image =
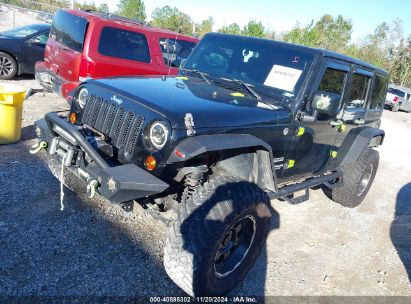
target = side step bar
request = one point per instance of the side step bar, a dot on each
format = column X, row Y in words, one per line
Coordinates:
column 305, row 185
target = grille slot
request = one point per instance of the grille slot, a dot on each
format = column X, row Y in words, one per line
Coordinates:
column 121, row 126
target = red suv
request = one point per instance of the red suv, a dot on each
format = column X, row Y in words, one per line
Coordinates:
column 85, row 45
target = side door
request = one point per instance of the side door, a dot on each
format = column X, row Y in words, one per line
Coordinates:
column 355, row 104
column 34, row 50
column 316, row 133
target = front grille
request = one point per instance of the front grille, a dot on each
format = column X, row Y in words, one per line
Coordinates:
column 121, row 126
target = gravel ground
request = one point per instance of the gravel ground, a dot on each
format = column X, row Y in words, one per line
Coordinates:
column 95, row 248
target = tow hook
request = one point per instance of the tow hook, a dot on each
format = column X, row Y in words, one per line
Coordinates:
column 38, row 146
column 91, row 188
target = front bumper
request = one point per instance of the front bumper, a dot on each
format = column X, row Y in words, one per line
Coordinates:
column 118, row 184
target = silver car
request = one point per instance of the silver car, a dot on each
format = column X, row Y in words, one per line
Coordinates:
column 398, row 98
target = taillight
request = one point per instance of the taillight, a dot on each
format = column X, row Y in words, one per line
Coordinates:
column 395, row 99
column 86, row 69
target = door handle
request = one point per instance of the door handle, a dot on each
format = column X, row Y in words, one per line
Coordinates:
column 359, row 121
column 336, row 123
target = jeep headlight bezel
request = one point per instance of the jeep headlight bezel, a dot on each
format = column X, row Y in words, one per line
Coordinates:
column 82, row 97
column 158, row 134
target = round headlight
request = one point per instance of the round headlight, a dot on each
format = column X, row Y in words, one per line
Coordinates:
column 158, row 135
column 82, row 97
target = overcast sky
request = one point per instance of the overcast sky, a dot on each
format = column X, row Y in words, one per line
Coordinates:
column 282, row 15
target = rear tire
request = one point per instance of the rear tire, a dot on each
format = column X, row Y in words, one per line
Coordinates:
column 217, row 236
column 357, row 179
column 8, row 66
column 69, row 179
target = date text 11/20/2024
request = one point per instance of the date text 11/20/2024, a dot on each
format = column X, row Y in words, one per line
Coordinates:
column 236, row 299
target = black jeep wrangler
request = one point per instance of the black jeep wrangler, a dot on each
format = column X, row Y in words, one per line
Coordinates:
column 246, row 120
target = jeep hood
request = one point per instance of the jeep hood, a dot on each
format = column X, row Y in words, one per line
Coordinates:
column 211, row 106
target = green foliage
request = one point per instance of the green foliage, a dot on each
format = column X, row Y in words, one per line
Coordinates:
column 386, row 47
column 204, row 27
column 171, row 18
column 134, row 9
column 233, row 29
column 85, row 6
column 103, row 8
column 329, row 33
column 253, row 28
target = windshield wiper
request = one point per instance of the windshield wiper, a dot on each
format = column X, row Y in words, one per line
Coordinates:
column 203, row 75
column 249, row 87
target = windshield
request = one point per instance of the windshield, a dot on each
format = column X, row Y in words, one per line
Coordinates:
column 271, row 67
column 396, row 92
column 21, row 32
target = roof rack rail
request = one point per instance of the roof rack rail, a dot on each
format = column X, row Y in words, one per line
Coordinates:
column 117, row 17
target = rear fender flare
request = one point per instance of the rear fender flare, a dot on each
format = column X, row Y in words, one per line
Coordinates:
column 356, row 141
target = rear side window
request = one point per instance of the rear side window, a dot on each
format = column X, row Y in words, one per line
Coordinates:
column 69, row 30
column 358, row 91
column 378, row 92
column 175, row 51
column 396, row 92
column 124, row 44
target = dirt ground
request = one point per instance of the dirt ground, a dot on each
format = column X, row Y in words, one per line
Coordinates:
column 94, row 248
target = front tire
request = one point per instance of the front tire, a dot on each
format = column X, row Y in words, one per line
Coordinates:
column 8, row 66
column 357, row 179
column 217, row 237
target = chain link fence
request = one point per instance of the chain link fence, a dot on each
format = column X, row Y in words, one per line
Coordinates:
column 15, row 13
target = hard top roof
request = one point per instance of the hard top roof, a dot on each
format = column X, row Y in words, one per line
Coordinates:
column 91, row 15
column 314, row 51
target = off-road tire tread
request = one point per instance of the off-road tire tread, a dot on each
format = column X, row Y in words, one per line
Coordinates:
column 346, row 194
column 178, row 262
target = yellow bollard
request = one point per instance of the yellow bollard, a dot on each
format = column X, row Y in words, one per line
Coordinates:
column 11, row 111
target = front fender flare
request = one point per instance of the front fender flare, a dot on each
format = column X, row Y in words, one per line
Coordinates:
column 197, row 145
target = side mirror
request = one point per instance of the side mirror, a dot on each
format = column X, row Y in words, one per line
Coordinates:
column 326, row 103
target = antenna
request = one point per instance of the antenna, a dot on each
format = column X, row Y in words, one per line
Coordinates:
column 175, row 47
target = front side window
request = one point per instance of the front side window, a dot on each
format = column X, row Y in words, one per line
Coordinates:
column 378, row 92
column 358, row 91
column 273, row 69
column 333, row 81
column 119, row 43
column 175, row 51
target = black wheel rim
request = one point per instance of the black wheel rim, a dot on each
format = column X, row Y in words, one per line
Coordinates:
column 6, row 66
column 365, row 179
column 234, row 246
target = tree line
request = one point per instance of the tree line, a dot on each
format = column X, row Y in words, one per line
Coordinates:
column 387, row 47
